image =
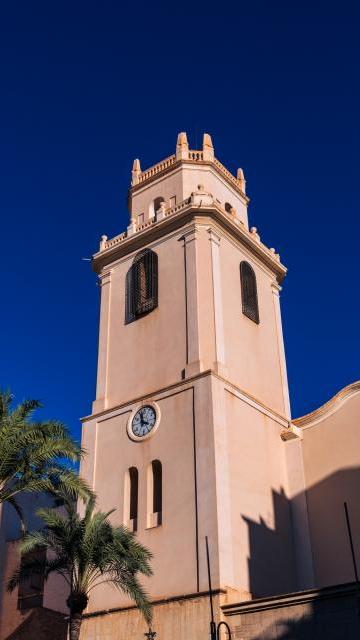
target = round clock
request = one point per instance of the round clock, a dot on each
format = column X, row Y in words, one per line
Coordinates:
column 143, row 422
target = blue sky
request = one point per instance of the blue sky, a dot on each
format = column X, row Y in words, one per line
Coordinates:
column 88, row 86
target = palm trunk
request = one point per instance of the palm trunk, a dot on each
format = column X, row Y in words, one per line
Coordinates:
column 75, row 626
column 77, row 603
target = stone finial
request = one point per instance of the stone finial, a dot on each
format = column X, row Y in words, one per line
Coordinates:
column 208, row 149
column 103, row 243
column 241, row 180
column 182, row 147
column 136, row 170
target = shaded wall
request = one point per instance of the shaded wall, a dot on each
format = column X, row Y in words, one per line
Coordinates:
column 331, row 459
column 326, row 614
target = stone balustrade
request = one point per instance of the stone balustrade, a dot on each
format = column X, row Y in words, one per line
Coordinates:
column 192, row 156
column 108, row 244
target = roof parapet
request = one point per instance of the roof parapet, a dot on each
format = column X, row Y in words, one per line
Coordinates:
column 184, row 154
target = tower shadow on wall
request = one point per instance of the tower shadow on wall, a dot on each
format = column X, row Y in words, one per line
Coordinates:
column 272, row 562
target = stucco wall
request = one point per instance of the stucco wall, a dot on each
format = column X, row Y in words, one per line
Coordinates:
column 331, row 455
column 150, row 353
column 253, row 353
column 183, row 442
column 262, row 557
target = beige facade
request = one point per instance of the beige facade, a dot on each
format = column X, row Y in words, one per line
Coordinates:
column 234, row 466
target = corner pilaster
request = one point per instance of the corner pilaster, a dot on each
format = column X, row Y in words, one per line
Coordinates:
column 280, row 338
column 194, row 362
column 104, row 331
column 219, row 364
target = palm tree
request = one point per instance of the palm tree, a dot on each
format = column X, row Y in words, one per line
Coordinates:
column 86, row 551
column 35, row 456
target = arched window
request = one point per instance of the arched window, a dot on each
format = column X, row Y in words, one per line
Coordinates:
column 134, row 484
column 155, row 206
column 131, row 498
column 154, row 494
column 228, row 207
column 249, row 296
column 157, row 486
column 141, row 285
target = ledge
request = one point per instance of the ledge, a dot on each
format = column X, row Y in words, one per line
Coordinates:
column 290, row 599
column 184, row 213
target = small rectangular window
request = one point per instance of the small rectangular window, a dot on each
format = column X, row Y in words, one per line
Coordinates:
column 172, row 202
column 141, row 218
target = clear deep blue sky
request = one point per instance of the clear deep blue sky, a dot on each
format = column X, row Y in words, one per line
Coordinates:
column 88, row 86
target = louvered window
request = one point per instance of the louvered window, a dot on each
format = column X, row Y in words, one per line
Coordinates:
column 250, row 307
column 142, row 285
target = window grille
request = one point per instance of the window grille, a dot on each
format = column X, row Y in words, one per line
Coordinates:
column 141, row 285
column 250, row 307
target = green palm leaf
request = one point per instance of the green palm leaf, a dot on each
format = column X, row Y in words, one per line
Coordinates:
column 87, row 551
column 36, row 456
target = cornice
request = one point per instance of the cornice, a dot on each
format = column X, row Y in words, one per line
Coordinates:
column 178, row 219
column 330, row 407
column 187, row 384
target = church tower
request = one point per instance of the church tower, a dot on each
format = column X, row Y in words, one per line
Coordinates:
column 186, row 433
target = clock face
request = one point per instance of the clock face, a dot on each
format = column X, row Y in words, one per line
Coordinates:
column 143, row 421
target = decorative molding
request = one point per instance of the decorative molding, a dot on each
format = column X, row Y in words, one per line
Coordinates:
column 220, row 362
column 112, row 412
column 177, row 217
column 330, row 407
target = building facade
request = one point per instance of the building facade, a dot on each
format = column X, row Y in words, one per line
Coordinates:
column 190, row 434
column 37, row 608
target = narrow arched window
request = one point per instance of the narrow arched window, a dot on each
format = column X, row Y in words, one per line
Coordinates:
column 157, row 486
column 249, row 296
column 141, row 285
column 154, row 494
column 134, row 484
column 154, row 207
column 131, row 498
column 228, row 207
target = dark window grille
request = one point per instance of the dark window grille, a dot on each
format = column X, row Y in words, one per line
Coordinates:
column 157, row 486
column 134, row 483
column 250, row 307
column 141, row 285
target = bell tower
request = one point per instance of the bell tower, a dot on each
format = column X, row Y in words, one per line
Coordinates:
column 192, row 395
